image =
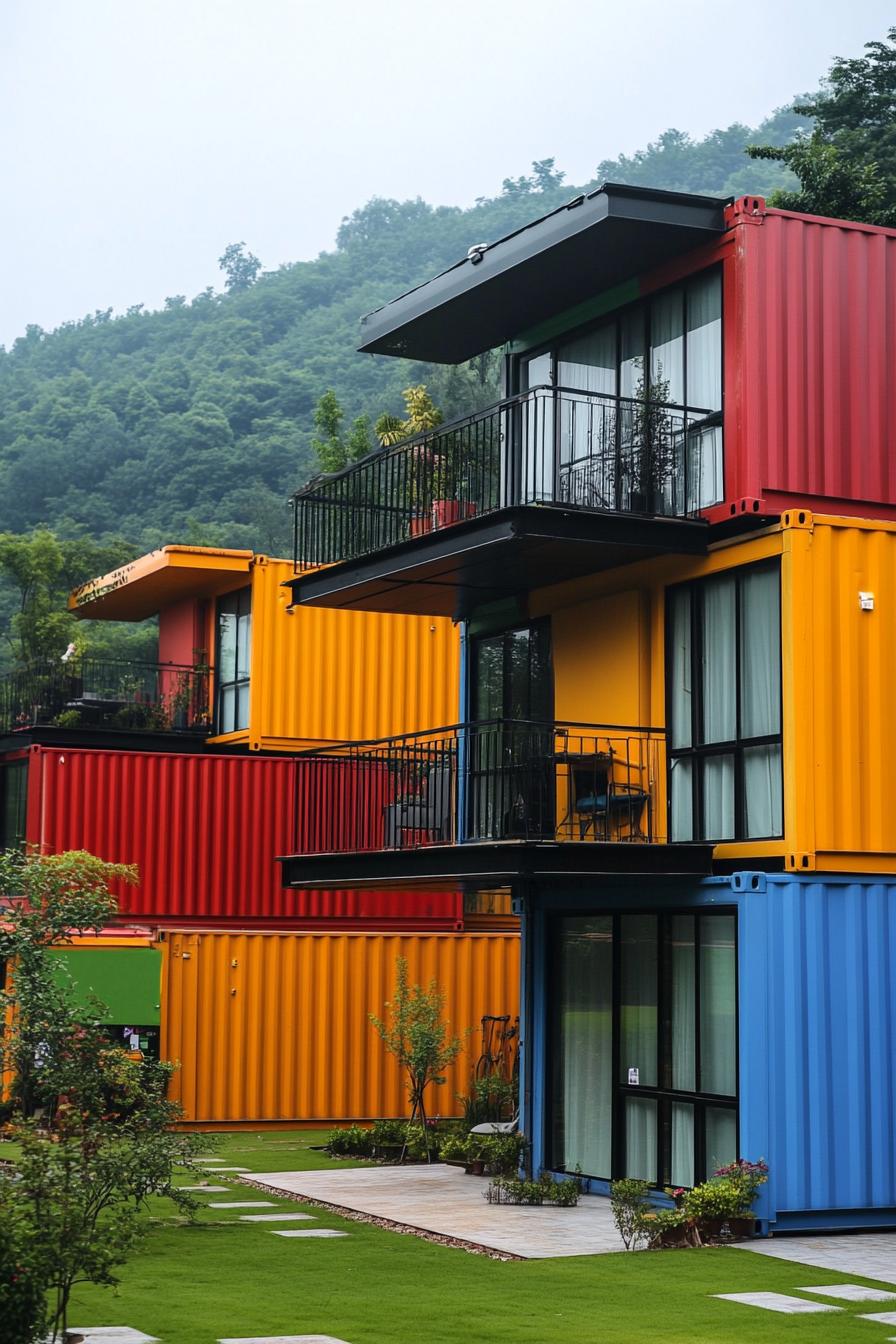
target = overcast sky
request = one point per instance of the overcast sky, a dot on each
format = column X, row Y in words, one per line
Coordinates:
column 140, row 137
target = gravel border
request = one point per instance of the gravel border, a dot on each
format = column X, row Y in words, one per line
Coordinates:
column 408, row 1229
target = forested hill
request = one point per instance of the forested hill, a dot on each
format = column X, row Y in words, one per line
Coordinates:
column 194, row 423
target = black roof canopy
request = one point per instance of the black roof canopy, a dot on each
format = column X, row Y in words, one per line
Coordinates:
column 589, row 245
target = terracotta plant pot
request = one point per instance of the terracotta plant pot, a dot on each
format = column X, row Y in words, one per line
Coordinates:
column 476, row 1167
column 448, row 511
column 420, row 524
column 741, row 1228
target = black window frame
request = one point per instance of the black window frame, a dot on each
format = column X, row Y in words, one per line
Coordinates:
column 618, row 316
column 20, row 769
column 735, row 747
column 239, row 604
column 664, row 1094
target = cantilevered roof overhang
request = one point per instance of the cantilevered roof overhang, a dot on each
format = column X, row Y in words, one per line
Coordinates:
column 494, row 864
column 453, row 571
column 152, row 582
column 593, row 243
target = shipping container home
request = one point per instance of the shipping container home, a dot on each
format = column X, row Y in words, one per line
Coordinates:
column 273, row 1028
column 739, row 700
column 204, row 832
column 241, row 668
column 671, row 362
column 675, row 1028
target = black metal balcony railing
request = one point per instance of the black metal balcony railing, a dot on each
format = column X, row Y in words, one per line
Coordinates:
column 86, row 692
column 497, row 780
column 551, row 445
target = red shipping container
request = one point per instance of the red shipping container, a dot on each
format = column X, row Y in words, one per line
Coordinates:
column 809, row 344
column 204, row 832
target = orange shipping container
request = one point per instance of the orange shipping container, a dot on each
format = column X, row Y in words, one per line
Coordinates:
column 274, row 1028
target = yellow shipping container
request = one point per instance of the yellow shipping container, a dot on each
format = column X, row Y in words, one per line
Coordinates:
column 314, row 675
column 838, row 654
column 273, row 1028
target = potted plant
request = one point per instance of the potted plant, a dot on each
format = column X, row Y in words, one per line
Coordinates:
column 722, row 1206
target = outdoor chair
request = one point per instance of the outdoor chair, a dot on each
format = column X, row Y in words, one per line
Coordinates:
column 428, row 811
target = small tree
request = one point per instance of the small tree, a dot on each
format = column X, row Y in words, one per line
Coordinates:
column 415, row 1032
column 240, row 268
column 74, row 1195
column 335, row 449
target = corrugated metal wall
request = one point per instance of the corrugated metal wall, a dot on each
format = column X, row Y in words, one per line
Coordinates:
column 818, row 1045
column 274, row 1027
column 816, row 344
column 331, row 675
column 840, row 727
column 204, row 832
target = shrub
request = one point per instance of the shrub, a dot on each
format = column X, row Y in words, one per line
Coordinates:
column 501, row 1153
column 489, row 1099
column 507, row 1190
column 629, row 1204
column 665, row 1227
column 454, row 1148
column 351, row 1142
column 22, row 1288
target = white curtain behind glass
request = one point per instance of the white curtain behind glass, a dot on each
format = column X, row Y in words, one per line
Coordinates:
column 537, row 465
column 667, row 348
column 761, row 699
column 684, row 1067
column 638, row 1044
column 586, row 1034
column 704, row 365
column 718, row 1008
column 719, row 654
column 587, row 426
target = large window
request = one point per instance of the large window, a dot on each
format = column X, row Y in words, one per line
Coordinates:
column 724, row 707
column 644, row 1065
column 234, row 648
column 665, row 352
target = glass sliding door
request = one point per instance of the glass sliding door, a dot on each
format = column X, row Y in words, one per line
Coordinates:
column 536, row 432
column 509, row 737
column 644, row 1037
column 232, row 661
column 583, row 1048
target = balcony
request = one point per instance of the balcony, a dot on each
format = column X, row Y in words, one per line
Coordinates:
column 124, row 697
column 551, row 484
column 489, row 801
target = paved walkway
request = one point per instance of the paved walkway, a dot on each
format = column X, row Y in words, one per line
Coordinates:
column 870, row 1255
column 444, row 1201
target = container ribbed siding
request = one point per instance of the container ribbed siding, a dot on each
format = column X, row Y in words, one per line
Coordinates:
column 272, row 1027
column 204, row 832
column 816, row 343
column 817, row 1043
column 809, row 340
column 325, row 675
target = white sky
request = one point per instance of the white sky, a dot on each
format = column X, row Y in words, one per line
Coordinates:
column 139, row 137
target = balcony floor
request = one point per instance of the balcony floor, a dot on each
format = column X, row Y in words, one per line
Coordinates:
column 451, row 571
column 496, row 863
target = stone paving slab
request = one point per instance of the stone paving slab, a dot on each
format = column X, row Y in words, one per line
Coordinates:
column 286, row 1339
column 885, row 1317
column 868, row 1255
column 112, row 1334
column 850, row 1292
column 216, row 1171
column 241, row 1204
column 442, row 1200
column 307, row 1232
column 276, row 1217
column 790, row 1306
column 209, row 1189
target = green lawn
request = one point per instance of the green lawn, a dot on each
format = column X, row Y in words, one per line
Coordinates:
column 220, row 1277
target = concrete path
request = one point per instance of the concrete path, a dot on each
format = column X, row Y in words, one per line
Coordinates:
column 444, row 1201
column 870, row 1255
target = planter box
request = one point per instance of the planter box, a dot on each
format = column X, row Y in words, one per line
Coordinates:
column 448, row 511
column 420, row 524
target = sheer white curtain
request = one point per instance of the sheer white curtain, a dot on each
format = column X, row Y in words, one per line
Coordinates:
column 704, row 390
column 719, row 704
column 684, row 1066
column 718, row 1007
column 640, row 1139
column 586, row 1043
column 667, row 348
column 681, row 771
column 588, row 424
column 682, row 1171
column 761, row 699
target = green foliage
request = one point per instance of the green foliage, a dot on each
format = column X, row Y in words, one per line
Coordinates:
column 501, row 1153
column 416, row 1035
column 846, row 167
column 352, row 1141
column 729, row 1194
column 75, row 1193
column 489, row 1099
column 240, row 268
column 23, row 1288
column 508, row 1190
column 629, row 1204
